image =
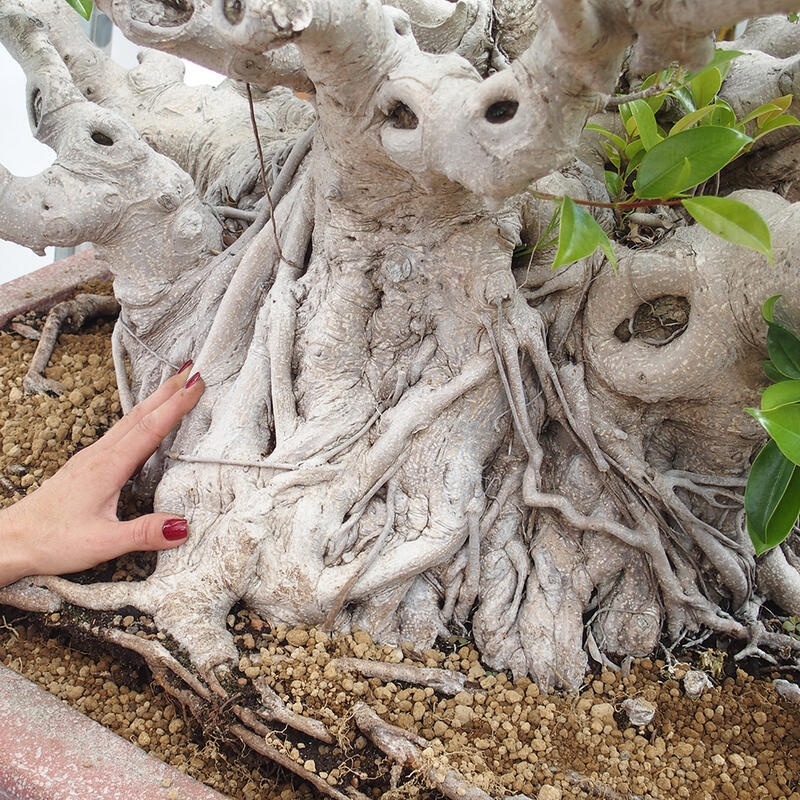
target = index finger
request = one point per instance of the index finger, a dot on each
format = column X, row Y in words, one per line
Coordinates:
column 144, row 436
column 143, row 408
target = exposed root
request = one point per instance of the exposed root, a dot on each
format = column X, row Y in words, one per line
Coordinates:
column 28, row 596
column 275, row 710
column 440, row 680
column 594, row 789
column 156, row 656
column 260, row 745
column 73, row 314
column 408, row 750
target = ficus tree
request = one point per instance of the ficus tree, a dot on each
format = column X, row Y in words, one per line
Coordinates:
column 413, row 423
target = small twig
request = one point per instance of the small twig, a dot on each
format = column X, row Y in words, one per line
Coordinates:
column 651, row 91
column 619, row 206
column 264, row 176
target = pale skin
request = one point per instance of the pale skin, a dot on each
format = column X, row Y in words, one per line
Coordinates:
column 70, row 523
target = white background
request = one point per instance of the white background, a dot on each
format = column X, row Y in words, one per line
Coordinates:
column 21, row 154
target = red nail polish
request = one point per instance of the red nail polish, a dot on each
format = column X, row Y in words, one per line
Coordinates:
column 186, row 366
column 175, row 529
column 192, row 381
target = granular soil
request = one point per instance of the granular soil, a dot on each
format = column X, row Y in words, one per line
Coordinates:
column 739, row 739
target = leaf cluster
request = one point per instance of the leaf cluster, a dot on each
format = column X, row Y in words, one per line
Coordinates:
column 772, row 496
column 660, row 161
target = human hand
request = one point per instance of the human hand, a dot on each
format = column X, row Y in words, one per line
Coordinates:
column 70, row 523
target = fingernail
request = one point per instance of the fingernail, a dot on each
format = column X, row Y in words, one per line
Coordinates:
column 192, row 381
column 175, row 529
column 186, row 366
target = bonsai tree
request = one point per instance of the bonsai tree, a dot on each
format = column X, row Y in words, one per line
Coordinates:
column 413, row 424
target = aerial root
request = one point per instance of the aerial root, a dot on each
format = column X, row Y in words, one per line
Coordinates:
column 532, row 338
column 78, row 311
column 373, row 554
column 440, row 680
column 407, row 749
column 678, row 599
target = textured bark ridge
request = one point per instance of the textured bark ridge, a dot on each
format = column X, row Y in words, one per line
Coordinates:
column 406, row 430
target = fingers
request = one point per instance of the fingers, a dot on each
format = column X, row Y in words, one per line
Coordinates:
column 142, row 438
column 152, row 401
column 150, row 532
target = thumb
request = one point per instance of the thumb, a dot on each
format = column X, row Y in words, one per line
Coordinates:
column 153, row 532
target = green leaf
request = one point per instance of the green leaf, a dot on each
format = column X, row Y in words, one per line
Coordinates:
column 772, row 373
column 784, row 350
column 770, row 109
column 705, row 85
column 616, row 140
column 783, row 425
column 783, row 121
column 645, row 121
column 684, row 96
column 690, row 120
column 690, row 157
column 614, row 183
column 721, row 61
column 733, row 221
column 83, row 7
column 772, row 498
column 579, row 236
column 723, row 115
column 612, row 155
column 768, row 307
column 780, row 394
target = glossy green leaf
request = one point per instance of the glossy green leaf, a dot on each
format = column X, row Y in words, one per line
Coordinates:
column 769, row 109
column 614, row 183
column 690, row 157
column 771, row 499
column 733, row 221
column 83, row 7
column 705, row 85
column 684, row 96
column 783, row 121
column 616, row 140
column 772, row 373
column 645, row 122
column 784, row 350
column 768, row 307
column 780, row 394
column 579, row 236
column 690, row 120
column 724, row 116
column 783, row 425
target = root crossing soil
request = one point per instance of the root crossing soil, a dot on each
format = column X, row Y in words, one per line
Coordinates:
column 739, row 739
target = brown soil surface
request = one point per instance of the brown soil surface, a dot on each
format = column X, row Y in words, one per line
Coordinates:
column 739, row 739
